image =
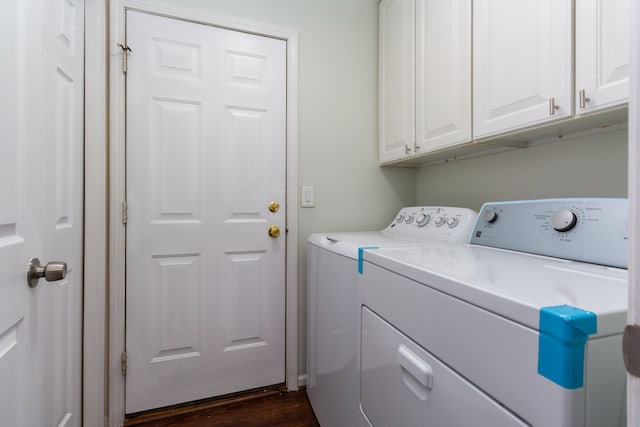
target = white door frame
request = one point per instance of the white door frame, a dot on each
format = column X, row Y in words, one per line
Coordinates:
column 94, row 352
column 633, row 317
column 116, row 292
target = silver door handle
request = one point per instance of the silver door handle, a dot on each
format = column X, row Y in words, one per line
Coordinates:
column 54, row 270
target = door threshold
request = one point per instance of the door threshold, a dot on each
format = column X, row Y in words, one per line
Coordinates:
column 203, row 404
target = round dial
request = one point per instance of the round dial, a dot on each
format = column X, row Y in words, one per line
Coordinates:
column 409, row 219
column 490, row 216
column 563, row 220
column 422, row 220
column 452, row 222
column 400, row 218
column 440, row 220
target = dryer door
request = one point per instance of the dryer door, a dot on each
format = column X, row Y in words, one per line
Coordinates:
column 401, row 384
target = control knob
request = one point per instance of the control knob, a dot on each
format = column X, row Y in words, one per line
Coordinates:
column 563, row 220
column 490, row 216
column 400, row 218
column 409, row 219
column 422, row 220
column 439, row 221
column 452, row 222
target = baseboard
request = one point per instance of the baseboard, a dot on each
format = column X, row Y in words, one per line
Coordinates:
column 302, row 380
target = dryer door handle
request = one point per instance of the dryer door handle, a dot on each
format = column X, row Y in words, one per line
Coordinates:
column 416, row 367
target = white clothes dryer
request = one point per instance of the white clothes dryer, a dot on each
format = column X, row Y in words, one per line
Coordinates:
column 521, row 327
column 333, row 313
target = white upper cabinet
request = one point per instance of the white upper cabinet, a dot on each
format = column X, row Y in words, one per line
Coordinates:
column 443, row 74
column 522, row 64
column 520, row 83
column 397, row 79
column 602, row 54
column 425, row 76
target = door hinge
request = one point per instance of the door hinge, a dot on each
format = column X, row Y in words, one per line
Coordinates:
column 125, row 55
column 123, row 363
column 631, row 349
column 125, row 212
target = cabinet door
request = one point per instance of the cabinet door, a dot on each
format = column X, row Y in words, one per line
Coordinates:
column 443, row 73
column 397, row 79
column 602, row 53
column 522, row 64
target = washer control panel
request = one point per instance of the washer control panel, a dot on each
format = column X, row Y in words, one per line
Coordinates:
column 440, row 223
column 588, row 230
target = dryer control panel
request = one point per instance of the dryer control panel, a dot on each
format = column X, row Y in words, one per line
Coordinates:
column 588, row 230
column 440, row 223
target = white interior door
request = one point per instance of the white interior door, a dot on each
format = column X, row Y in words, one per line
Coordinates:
column 41, row 175
column 205, row 157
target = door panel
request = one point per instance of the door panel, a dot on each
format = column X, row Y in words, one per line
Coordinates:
column 397, row 79
column 63, row 88
column 602, row 53
column 205, row 156
column 41, row 175
column 19, row 225
column 443, row 73
column 521, row 59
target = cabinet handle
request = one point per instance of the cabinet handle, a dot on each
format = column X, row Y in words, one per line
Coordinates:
column 552, row 106
column 584, row 99
column 416, row 148
column 407, row 150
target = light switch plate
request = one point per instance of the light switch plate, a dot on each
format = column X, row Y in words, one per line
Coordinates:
column 307, row 197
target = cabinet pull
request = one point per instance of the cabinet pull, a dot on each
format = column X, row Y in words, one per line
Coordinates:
column 416, row 148
column 584, row 99
column 407, row 150
column 552, row 106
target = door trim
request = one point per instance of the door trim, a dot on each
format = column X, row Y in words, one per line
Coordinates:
column 116, row 293
column 94, row 378
column 633, row 315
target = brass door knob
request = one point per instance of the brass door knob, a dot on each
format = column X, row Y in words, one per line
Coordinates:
column 274, row 231
column 274, row 207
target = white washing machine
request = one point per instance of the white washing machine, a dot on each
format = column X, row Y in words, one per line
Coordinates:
column 521, row 327
column 333, row 311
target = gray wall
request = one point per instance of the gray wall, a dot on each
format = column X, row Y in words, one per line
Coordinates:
column 338, row 117
column 592, row 166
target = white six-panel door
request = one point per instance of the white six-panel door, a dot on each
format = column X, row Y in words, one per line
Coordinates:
column 41, row 175
column 205, row 157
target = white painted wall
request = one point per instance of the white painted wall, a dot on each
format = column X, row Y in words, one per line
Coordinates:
column 338, row 116
column 591, row 166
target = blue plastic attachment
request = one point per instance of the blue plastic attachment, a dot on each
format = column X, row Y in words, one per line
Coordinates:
column 360, row 255
column 564, row 331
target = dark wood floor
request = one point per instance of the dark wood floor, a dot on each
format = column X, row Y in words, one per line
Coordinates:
column 264, row 408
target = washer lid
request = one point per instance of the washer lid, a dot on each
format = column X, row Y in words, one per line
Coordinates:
column 347, row 244
column 513, row 284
